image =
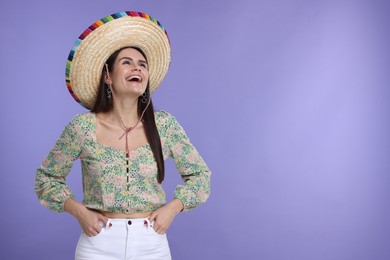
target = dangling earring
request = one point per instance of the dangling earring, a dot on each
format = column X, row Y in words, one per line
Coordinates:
column 108, row 93
column 144, row 97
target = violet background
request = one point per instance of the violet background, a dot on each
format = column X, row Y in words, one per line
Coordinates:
column 286, row 100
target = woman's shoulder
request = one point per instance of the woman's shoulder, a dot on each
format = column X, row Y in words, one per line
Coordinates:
column 162, row 117
column 164, row 120
column 83, row 119
column 162, row 114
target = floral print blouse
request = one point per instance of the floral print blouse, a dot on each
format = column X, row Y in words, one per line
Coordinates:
column 104, row 178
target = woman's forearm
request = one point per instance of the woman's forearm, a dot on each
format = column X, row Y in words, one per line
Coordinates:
column 73, row 207
column 176, row 205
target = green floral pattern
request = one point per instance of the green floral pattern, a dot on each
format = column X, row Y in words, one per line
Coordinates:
column 104, row 172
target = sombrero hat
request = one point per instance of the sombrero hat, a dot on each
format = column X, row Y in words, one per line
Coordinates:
column 109, row 34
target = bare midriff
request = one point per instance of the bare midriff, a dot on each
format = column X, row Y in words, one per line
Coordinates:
column 123, row 215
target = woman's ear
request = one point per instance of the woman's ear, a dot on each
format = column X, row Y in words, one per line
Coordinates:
column 107, row 78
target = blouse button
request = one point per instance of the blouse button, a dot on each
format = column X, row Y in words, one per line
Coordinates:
column 129, row 222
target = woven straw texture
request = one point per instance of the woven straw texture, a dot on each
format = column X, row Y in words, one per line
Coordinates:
column 88, row 55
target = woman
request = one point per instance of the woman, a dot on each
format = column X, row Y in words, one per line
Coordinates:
column 122, row 143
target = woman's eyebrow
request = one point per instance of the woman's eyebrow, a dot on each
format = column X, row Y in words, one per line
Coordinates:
column 131, row 59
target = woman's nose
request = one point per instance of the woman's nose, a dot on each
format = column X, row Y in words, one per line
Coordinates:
column 136, row 69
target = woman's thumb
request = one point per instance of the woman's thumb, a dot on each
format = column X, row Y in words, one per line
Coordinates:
column 103, row 219
column 152, row 216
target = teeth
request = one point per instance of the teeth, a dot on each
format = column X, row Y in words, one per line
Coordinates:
column 134, row 77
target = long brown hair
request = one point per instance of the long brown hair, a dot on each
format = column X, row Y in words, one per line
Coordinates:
column 104, row 104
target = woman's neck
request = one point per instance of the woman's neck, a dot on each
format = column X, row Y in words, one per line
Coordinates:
column 126, row 110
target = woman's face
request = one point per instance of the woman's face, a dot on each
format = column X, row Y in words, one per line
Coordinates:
column 130, row 73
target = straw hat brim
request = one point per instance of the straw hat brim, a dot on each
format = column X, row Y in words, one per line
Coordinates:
column 97, row 43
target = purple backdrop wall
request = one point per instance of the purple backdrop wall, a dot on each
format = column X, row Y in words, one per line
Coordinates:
column 286, row 101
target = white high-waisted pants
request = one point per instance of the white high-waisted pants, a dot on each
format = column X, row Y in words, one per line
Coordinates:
column 126, row 239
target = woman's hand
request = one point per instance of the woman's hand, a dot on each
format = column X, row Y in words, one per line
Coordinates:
column 164, row 216
column 88, row 219
column 89, row 222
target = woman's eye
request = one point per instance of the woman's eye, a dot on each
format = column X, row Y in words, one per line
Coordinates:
column 143, row 65
column 126, row 62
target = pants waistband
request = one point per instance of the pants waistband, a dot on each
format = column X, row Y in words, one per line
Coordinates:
column 129, row 222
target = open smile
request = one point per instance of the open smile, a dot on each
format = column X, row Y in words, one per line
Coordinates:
column 134, row 78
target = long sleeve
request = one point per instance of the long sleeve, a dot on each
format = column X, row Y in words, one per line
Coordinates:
column 50, row 181
column 190, row 165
